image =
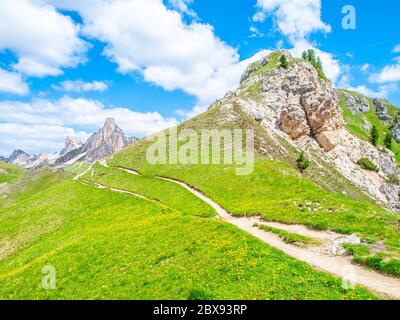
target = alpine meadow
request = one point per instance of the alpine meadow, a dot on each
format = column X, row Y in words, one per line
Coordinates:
column 176, row 150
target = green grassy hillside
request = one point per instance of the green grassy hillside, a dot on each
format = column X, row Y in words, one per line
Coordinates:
column 106, row 245
column 279, row 192
column 167, row 193
column 9, row 172
column 31, row 183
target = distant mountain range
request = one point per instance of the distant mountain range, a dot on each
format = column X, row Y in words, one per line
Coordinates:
column 108, row 140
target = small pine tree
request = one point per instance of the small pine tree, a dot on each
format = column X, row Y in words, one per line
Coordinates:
column 374, row 135
column 302, row 163
column 312, row 58
column 388, row 141
column 284, row 62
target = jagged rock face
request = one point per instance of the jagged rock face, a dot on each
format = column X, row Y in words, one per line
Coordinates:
column 356, row 104
column 108, row 140
column 396, row 132
column 306, row 104
column 253, row 67
column 381, row 110
column 43, row 159
column 19, row 158
column 71, row 143
column 350, row 150
column 105, row 142
column 296, row 105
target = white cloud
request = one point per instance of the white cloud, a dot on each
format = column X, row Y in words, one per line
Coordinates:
column 43, row 40
column 81, row 86
column 260, row 16
column 145, row 36
column 232, row 75
column 332, row 67
column 255, row 33
column 396, row 49
column 295, row 19
column 382, row 92
column 11, row 82
column 42, row 125
column 390, row 73
column 34, row 138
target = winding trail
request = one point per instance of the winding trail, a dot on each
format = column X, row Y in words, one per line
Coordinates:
column 83, row 173
column 382, row 285
column 102, row 186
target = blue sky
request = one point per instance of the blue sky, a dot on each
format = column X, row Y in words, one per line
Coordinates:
column 64, row 67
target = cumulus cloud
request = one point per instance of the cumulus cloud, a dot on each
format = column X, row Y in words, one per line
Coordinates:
column 295, row 19
column 81, row 86
column 233, row 73
column 390, row 73
column 381, row 92
column 42, row 125
column 43, row 40
column 11, row 82
column 35, row 138
column 146, row 36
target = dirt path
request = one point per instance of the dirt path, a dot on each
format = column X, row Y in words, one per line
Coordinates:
column 83, row 173
column 102, row 186
column 340, row 266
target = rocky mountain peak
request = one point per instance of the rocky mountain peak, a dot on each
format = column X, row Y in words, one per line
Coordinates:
column 71, row 143
column 19, row 157
column 110, row 139
column 356, row 103
column 110, row 123
column 381, row 110
column 295, row 102
column 105, row 142
column 303, row 103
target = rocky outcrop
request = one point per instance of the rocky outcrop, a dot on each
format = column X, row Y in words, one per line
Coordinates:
column 41, row 160
column 23, row 159
column 336, row 246
column 356, row 104
column 252, row 68
column 71, row 143
column 350, row 150
column 105, row 142
column 295, row 104
column 306, row 104
column 19, row 158
column 396, row 132
column 381, row 110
